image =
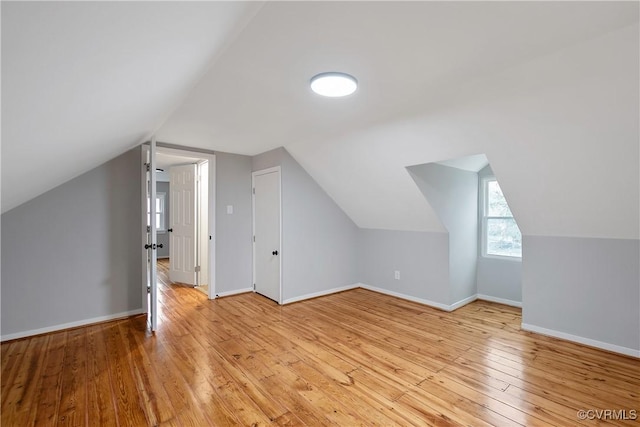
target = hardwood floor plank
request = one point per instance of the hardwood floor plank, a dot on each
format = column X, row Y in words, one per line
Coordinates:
column 23, row 390
column 352, row 358
column 154, row 399
column 48, row 400
column 15, row 352
column 101, row 408
column 73, row 396
column 126, row 397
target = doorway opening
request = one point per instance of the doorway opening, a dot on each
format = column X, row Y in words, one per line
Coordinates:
column 184, row 219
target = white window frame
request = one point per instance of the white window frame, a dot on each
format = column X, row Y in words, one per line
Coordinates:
column 161, row 226
column 485, row 221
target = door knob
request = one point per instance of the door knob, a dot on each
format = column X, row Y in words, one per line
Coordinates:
column 170, row 230
column 148, row 246
column 160, row 245
column 274, row 253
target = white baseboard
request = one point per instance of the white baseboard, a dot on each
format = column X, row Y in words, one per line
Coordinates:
column 434, row 304
column 581, row 340
column 69, row 325
column 234, row 292
column 321, row 293
column 500, row 300
column 462, row 302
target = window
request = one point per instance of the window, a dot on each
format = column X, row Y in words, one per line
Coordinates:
column 501, row 235
column 160, row 212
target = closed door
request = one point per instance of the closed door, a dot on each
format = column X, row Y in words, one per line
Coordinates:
column 267, row 250
column 182, row 250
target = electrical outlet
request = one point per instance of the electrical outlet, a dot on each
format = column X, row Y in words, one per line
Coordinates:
column 396, row 275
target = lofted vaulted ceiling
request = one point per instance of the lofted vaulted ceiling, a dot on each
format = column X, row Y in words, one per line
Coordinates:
column 82, row 82
column 85, row 81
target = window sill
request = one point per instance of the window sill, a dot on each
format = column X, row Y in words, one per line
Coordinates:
column 503, row 258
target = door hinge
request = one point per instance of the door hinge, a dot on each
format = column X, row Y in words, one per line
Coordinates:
column 254, row 239
column 197, row 269
column 148, row 166
column 148, row 229
column 254, row 191
column 254, row 286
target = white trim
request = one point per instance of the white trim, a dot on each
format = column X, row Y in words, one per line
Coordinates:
column 503, row 257
column 277, row 169
column 484, row 222
column 70, row 325
column 144, row 152
column 582, row 340
column 434, row 304
column 266, row 171
column 462, row 302
column 322, row 293
column 234, row 292
column 500, row 300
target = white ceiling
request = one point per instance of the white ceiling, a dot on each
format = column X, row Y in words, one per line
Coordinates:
column 234, row 77
column 256, row 97
column 468, row 163
column 84, row 81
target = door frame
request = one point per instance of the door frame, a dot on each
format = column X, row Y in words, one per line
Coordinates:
column 179, row 151
column 253, row 224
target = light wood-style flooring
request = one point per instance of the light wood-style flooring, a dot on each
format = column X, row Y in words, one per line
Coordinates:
column 353, row 358
column 163, row 276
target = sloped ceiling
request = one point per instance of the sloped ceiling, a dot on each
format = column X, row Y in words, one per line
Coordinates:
column 527, row 83
column 84, row 81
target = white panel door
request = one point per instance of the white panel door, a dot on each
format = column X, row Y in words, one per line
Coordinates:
column 151, row 233
column 266, row 205
column 182, row 250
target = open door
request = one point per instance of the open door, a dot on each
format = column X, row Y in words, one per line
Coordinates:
column 150, row 225
column 183, row 212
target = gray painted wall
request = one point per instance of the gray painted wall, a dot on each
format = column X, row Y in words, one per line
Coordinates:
column 586, row 287
column 497, row 278
column 74, row 253
column 163, row 237
column 453, row 194
column 422, row 258
column 233, row 232
column 319, row 241
column 500, row 279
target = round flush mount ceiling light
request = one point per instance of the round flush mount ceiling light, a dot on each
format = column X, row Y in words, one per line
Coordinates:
column 334, row 84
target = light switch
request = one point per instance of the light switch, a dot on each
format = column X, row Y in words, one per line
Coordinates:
column 229, row 209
